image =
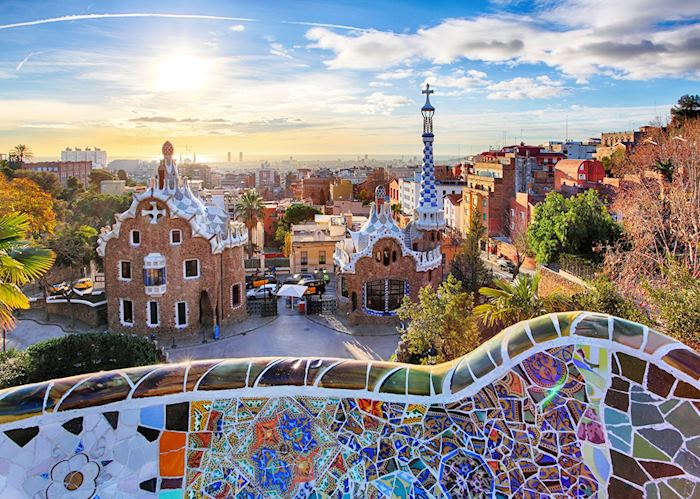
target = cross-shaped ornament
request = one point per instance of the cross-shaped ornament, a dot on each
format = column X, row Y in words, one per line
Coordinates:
column 427, row 90
column 154, row 212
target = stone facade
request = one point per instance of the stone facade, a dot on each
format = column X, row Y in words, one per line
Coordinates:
column 167, row 250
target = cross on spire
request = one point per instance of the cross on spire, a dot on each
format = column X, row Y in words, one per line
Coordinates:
column 427, row 90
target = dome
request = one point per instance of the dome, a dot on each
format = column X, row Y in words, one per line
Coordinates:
column 168, row 148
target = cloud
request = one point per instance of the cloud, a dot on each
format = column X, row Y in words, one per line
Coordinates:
column 376, row 84
column 542, row 87
column 279, row 50
column 24, row 61
column 237, row 28
column 631, row 39
column 84, row 17
column 154, row 119
column 464, row 81
column 396, row 75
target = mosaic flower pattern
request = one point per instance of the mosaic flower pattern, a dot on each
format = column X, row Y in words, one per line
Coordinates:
column 575, row 414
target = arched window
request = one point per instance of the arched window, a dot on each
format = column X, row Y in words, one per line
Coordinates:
column 384, row 295
column 393, row 256
column 378, row 256
column 386, row 257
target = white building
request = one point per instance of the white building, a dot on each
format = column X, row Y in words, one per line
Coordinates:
column 96, row 155
column 113, row 187
column 453, row 211
column 409, row 191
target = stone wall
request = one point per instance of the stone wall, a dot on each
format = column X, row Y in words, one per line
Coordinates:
column 552, row 281
column 91, row 315
column 566, row 405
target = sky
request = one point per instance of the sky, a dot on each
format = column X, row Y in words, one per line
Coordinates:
column 339, row 78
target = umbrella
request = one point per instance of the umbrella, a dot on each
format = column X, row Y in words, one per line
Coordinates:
column 294, row 290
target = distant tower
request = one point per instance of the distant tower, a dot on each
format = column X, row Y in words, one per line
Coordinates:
column 240, row 157
column 229, row 157
column 429, row 215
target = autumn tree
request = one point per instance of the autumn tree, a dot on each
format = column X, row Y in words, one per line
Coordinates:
column 440, row 326
column 48, row 182
column 24, row 196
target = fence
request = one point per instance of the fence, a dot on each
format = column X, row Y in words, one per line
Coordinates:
column 578, row 266
column 263, row 308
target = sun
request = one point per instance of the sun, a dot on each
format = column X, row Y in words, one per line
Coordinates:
column 182, row 73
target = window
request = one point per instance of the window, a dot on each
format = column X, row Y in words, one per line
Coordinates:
column 191, row 269
column 124, row 270
column 175, row 236
column 582, row 176
column 126, row 312
column 384, row 295
column 154, row 277
column 386, row 257
column 344, row 287
column 484, row 216
column 304, row 258
column 235, row 295
column 393, row 256
column 135, row 237
column 181, row 314
column 322, row 257
column 153, row 315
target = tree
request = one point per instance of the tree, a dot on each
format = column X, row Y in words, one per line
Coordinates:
column 396, row 210
column 688, row 107
column 122, row 175
column 602, row 296
column 511, row 302
column 97, row 176
column 73, row 187
column 287, row 244
column 98, row 210
column 20, row 263
column 578, row 225
column 440, row 327
column 295, row 214
column 249, row 209
column 47, row 182
column 518, row 237
column 22, row 152
column 613, row 163
column 24, row 196
column 467, row 266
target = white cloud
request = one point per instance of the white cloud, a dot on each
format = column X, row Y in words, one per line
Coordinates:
column 237, row 28
column 632, row 39
column 279, row 50
column 541, row 87
column 399, row 74
column 463, row 81
column 377, row 84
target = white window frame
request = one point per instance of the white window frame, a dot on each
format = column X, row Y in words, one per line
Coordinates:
column 121, row 313
column 240, row 295
column 131, row 238
column 148, row 313
column 184, row 269
column 173, row 243
column 187, row 315
column 119, row 270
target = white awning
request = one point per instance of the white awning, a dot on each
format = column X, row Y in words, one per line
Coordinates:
column 294, row 290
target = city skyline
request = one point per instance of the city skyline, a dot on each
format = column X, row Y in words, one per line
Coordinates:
column 306, row 79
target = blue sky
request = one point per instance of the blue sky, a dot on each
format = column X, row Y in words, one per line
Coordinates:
column 272, row 78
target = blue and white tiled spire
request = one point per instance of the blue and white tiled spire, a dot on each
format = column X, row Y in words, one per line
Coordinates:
column 429, row 215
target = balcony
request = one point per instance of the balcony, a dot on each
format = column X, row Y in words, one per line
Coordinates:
column 154, row 279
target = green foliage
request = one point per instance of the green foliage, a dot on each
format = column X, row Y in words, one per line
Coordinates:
column 604, row 297
column 249, row 209
column 677, row 303
column 97, row 176
column 74, row 245
column 20, row 263
column 575, row 225
column 47, row 182
column 688, row 107
column 511, row 302
column 467, row 266
column 98, row 210
column 614, row 162
column 441, row 326
column 75, row 354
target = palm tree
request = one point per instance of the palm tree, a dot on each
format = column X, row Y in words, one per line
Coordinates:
column 22, row 152
column 396, row 210
column 511, row 302
column 249, row 209
column 20, row 263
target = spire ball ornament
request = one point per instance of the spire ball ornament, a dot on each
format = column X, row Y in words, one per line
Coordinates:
column 168, row 149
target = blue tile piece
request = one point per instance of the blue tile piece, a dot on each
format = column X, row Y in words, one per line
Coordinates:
column 153, row 416
column 619, row 444
column 623, row 432
column 613, row 417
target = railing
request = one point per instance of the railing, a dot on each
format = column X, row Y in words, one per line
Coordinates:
column 567, row 404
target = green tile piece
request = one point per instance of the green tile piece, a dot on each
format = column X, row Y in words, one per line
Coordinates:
column 461, row 378
column 419, row 381
column 685, row 419
column 494, row 348
column 350, row 375
column 651, row 491
column 668, row 405
column 103, row 388
column 593, row 326
column 479, row 362
column 395, row 383
column 59, row 388
column 136, row 373
column 518, row 343
column 228, row 374
column 316, row 368
column 196, row 370
column 565, row 319
column 163, row 381
column 23, row 402
column 643, row 449
column 542, row 329
column 257, row 366
column 377, row 372
column 628, row 333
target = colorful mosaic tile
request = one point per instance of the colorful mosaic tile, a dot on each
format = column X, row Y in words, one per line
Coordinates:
column 589, row 415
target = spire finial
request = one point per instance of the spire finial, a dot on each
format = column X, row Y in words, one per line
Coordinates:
column 427, row 110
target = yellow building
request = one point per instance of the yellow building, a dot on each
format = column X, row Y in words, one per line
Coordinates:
column 341, row 190
column 313, row 243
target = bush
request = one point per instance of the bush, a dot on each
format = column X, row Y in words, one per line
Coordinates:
column 605, row 298
column 75, row 354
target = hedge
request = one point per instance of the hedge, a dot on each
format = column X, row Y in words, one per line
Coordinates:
column 75, row 354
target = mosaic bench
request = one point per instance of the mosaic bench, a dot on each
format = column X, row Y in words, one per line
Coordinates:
column 571, row 404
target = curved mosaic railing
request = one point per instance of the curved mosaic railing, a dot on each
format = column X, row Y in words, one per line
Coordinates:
column 571, row 404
